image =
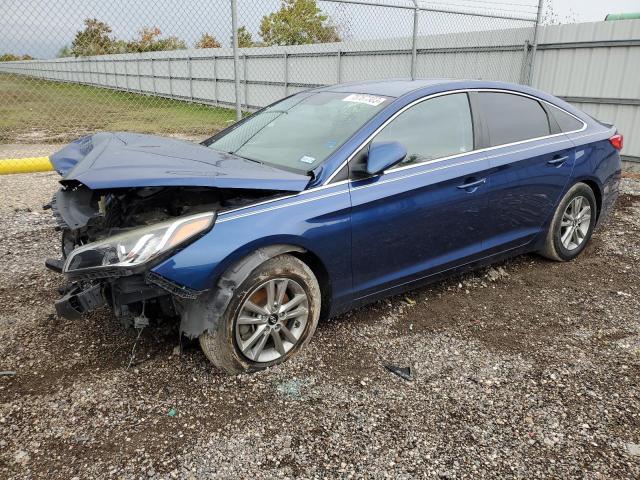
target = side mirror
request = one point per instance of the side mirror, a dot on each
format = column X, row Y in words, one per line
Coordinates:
column 384, row 155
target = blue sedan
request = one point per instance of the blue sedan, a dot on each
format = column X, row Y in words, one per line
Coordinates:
column 326, row 200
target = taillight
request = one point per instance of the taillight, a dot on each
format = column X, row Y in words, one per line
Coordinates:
column 616, row 141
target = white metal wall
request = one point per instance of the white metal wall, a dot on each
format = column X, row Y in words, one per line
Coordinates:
column 206, row 75
column 596, row 66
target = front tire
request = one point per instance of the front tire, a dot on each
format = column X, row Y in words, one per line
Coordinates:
column 572, row 224
column 271, row 317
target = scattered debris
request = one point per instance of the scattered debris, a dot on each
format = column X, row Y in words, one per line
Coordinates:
column 632, row 449
column 409, row 300
column 8, row 373
column 291, row 388
column 21, row 457
column 133, row 350
column 172, row 412
column 405, row 373
column 496, row 273
column 624, row 294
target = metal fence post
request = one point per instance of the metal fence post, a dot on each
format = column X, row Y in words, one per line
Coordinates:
column 339, row 67
column 524, row 74
column 234, row 41
column 126, row 74
column 414, row 47
column 153, row 76
column 190, row 70
column 170, row 82
column 138, row 61
column 286, row 74
column 216, row 96
column 246, row 84
column 535, row 43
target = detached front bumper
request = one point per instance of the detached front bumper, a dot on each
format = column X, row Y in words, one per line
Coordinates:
column 79, row 300
column 125, row 295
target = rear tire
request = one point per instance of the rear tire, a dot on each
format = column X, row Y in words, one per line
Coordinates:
column 258, row 330
column 572, row 224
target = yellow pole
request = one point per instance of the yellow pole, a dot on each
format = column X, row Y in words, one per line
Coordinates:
column 25, row 165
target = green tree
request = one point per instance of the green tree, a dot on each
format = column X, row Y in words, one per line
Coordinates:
column 551, row 17
column 298, row 22
column 65, row 51
column 93, row 40
column 244, row 38
column 207, row 41
column 148, row 41
column 10, row 57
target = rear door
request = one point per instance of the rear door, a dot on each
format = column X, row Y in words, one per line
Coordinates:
column 426, row 214
column 531, row 164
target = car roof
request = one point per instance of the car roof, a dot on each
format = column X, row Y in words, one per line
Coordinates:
column 403, row 86
column 388, row 88
column 400, row 87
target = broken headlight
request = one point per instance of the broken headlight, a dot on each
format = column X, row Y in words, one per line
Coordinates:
column 137, row 246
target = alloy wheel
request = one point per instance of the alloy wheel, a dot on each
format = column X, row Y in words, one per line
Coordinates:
column 575, row 224
column 272, row 320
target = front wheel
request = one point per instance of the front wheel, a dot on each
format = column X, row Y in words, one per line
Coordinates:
column 572, row 225
column 271, row 316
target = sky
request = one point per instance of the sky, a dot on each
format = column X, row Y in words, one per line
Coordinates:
column 42, row 27
column 593, row 10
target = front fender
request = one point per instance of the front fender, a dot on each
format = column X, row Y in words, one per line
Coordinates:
column 203, row 313
column 317, row 221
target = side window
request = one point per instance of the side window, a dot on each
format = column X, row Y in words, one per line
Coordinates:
column 566, row 122
column 512, row 118
column 432, row 129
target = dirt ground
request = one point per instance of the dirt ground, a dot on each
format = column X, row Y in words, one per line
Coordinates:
column 528, row 369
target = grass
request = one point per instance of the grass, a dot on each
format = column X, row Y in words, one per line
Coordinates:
column 41, row 111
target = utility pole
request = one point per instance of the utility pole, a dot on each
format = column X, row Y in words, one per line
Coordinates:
column 234, row 41
column 414, row 47
column 535, row 42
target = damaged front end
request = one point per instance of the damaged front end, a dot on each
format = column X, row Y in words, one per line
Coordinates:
column 114, row 231
column 110, row 240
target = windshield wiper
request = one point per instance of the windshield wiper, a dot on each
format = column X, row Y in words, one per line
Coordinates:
column 246, row 158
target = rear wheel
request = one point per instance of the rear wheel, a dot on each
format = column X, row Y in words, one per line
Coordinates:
column 271, row 316
column 572, row 224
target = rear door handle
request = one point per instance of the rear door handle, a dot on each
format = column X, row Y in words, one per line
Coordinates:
column 558, row 160
column 472, row 186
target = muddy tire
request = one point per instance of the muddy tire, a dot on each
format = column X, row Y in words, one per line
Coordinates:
column 572, row 224
column 271, row 317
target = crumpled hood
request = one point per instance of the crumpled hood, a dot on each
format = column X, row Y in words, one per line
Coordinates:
column 121, row 160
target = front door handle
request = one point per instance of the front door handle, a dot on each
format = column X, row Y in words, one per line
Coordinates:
column 472, row 186
column 558, row 161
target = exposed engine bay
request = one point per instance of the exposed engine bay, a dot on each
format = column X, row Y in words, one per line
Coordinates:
column 85, row 216
column 130, row 201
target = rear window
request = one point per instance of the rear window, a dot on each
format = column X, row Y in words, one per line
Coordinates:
column 512, row 118
column 566, row 122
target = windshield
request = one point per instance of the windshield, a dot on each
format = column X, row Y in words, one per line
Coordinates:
column 300, row 132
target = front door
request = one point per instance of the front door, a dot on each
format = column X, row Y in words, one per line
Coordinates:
column 428, row 213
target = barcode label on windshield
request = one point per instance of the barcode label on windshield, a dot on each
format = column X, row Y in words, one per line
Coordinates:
column 364, row 98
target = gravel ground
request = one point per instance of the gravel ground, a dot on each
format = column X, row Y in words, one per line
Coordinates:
column 528, row 369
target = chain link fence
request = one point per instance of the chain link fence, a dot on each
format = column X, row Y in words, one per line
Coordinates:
column 78, row 66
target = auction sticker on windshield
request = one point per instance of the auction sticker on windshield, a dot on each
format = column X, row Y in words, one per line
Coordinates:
column 364, row 98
